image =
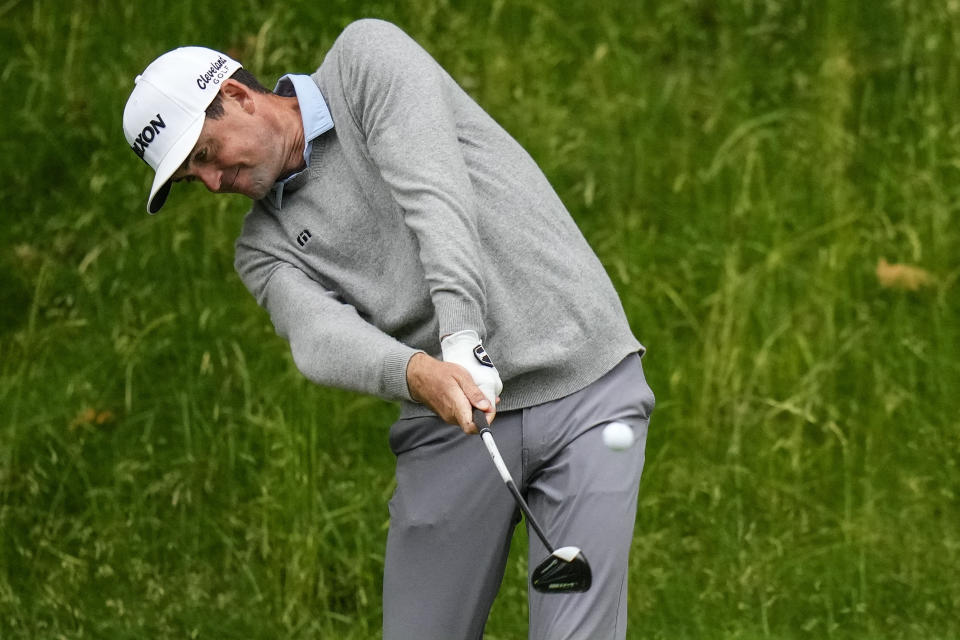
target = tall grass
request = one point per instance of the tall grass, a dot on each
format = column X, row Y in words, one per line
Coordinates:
column 739, row 167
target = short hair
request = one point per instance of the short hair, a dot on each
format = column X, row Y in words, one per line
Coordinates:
column 215, row 109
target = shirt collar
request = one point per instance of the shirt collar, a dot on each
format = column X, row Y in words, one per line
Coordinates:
column 316, row 119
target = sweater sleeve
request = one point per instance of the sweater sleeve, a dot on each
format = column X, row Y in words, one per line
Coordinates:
column 332, row 345
column 400, row 100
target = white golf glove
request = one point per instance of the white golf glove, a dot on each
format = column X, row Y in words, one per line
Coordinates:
column 464, row 348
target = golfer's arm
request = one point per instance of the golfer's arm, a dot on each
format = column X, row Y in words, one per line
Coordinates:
column 330, row 343
column 399, row 98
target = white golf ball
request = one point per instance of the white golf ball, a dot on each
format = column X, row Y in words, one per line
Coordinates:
column 618, row 436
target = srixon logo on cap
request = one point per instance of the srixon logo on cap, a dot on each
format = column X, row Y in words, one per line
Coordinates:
column 145, row 137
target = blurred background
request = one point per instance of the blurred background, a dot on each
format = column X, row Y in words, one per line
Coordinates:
column 772, row 185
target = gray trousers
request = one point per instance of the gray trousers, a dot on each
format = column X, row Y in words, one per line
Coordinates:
column 451, row 518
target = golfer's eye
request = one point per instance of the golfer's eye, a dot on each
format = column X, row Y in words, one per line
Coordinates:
column 201, row 156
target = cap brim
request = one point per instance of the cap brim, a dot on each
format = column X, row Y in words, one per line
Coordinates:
column 171, row 162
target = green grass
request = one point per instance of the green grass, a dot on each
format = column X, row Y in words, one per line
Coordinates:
column 740, row 167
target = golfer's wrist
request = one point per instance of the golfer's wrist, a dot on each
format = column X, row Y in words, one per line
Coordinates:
column 414, row 371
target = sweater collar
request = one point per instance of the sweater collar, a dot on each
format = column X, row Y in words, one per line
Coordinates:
column 316, row 121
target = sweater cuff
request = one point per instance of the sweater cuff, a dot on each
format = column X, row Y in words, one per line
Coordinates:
column 394, row 383
column 456, row 314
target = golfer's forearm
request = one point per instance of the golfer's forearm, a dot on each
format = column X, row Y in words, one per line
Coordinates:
column 330, row 343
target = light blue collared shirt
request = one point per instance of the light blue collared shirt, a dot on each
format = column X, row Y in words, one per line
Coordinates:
column 316, row 119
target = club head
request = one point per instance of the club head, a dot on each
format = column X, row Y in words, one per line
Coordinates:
column 565, row 571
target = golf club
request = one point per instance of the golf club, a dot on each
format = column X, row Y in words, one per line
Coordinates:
column 566, row 569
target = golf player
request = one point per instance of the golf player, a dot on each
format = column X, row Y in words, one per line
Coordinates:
column 407, row 247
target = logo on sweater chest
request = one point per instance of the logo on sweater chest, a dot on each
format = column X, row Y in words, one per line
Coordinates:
column 304, row 237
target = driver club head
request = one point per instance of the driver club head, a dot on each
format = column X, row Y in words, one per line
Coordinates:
column 566, row 570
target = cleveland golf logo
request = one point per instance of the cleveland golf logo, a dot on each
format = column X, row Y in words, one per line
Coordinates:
column 303, row 237
column 146, row 136
column 214, row 74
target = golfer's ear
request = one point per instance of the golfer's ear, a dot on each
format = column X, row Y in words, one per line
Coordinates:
column 233, row 90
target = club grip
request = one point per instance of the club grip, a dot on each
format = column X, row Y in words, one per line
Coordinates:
column 480, row 419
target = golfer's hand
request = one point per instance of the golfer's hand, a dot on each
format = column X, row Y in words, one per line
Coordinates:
column 449, row 390
column 465, row 349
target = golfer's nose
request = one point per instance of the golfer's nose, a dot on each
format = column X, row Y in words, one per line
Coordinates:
column 211, row 177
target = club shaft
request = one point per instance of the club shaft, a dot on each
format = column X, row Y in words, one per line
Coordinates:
column 530, row 519
column 481, row 421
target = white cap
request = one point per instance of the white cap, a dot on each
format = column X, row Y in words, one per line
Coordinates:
column 165, row 112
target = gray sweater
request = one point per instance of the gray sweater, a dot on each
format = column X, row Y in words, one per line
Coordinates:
column 419, row 216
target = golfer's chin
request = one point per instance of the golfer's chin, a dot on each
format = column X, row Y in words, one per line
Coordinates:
column 257, row 189
column 259, row 193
